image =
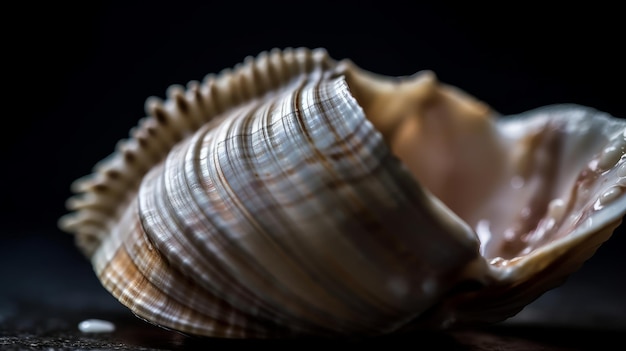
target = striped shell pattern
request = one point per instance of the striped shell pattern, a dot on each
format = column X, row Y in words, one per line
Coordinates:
column 297, row 195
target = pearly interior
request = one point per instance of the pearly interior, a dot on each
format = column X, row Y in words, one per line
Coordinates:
column 520, row 186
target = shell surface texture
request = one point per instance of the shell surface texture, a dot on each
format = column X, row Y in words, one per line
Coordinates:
column 298, row 195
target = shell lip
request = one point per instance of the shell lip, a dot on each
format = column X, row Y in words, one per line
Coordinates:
column 510, row 270
column 592, row 220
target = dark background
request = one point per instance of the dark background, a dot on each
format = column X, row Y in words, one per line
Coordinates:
column 77, row 78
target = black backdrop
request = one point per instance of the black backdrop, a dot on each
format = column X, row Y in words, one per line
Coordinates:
column 77, row 76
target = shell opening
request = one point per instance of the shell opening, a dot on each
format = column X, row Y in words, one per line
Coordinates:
column 521, row 182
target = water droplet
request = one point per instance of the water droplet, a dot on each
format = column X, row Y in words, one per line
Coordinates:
column 517, row 182
column 556, row 209
column 597, row 205
column 497, row 261
column 509, row 234
column 609, row 157
column 96, row 326
column 525, row 213
column 611, row 194
column 612, row 154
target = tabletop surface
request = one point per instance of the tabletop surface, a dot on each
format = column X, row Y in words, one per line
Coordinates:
column 48, row 289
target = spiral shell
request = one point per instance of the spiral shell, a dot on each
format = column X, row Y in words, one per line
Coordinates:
column 298, row 195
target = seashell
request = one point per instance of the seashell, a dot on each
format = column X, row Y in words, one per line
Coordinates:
column 298, row 195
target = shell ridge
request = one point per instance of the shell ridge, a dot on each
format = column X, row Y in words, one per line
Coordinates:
column 227, row 321
column 227, row 291
column 359, row 302
column 217, row 178
column 310, row 145
column 247, row 220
